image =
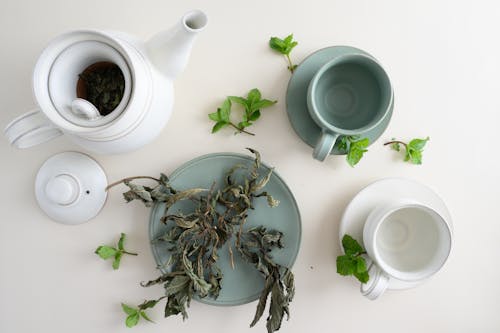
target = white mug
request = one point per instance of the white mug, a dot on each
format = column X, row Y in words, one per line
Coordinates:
column 407, row 241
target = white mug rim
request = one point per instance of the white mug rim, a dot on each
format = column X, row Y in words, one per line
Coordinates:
column 402, row 275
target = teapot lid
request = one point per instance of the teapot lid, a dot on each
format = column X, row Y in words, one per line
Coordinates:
column 70, row 188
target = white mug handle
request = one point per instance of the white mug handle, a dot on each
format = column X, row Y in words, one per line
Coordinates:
column 377, row 283
column 30, row 129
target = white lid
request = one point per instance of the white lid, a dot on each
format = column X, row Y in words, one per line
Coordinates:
column 70, row 188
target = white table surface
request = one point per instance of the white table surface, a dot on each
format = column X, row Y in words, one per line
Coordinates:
column 444, row 60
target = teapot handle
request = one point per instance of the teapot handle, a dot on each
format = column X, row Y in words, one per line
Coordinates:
column 30, row 129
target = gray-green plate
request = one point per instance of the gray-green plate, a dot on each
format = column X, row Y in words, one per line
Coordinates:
column 243, row 284
column 296, row 97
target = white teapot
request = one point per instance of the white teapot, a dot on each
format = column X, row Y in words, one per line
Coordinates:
column 148, row 69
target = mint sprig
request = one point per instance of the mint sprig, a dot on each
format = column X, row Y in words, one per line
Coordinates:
column 284, row 46
column 352, row 262
column 252, row 105
column 355, row 147
column 107, row 252
column 134, row 314
column 413, row 149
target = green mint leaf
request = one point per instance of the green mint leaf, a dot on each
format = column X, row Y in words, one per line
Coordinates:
column 244, row 117
column 354, row 155
column 418, row 144
column 254, row 116
column 254, row 96
column 116, row 262
column 407, row 155
column 127, row 309
column 244, row 124
column 218, row 126
column 415, row 156
column 360, row 264
column 239, row 100
column 121, row 242
column 261, row 104
column 413, row 149
column 284, row 46
column 363, row 277
column 225, row 110
column 352, row 263
column 277, row 44
column 214, row 116
column 132, row 319
column 145, row 316
column 345, row 265
column 106, row 252
column 252, row 104
column 351, row 246
column 343, row 144
column 356, row 151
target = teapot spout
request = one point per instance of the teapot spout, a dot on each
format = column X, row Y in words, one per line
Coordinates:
column 169, row 50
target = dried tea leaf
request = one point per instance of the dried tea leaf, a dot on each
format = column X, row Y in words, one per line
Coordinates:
column 160, row 193
column 200, row 285
column 105, row 85
column 148, row 304
column 215, row 217
column 271, row 201
column 261, row 306
column 177, row 284
column 276, row 308
column 183, row 195
column 263, row 182
column 139, row 192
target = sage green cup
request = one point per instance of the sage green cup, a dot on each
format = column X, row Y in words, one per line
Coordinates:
column 349, row 95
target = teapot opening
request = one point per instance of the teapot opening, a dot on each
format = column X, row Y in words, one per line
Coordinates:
column 103, row 85
column 67, row 83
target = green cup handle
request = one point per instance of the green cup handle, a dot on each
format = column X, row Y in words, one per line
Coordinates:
column 324, row 145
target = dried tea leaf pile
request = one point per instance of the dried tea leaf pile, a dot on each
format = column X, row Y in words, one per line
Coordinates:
column 194, row 239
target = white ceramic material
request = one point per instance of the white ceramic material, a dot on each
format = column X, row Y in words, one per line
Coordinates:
column 407, row 241
column 70, row 188
column 381, row 194
column 149, row 70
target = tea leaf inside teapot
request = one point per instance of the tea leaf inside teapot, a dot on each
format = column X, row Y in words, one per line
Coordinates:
column 104, row 86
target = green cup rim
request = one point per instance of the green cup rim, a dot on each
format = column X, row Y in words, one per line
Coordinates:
column 312, row 107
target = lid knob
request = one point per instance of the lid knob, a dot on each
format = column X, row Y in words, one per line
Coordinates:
column 62, row 189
